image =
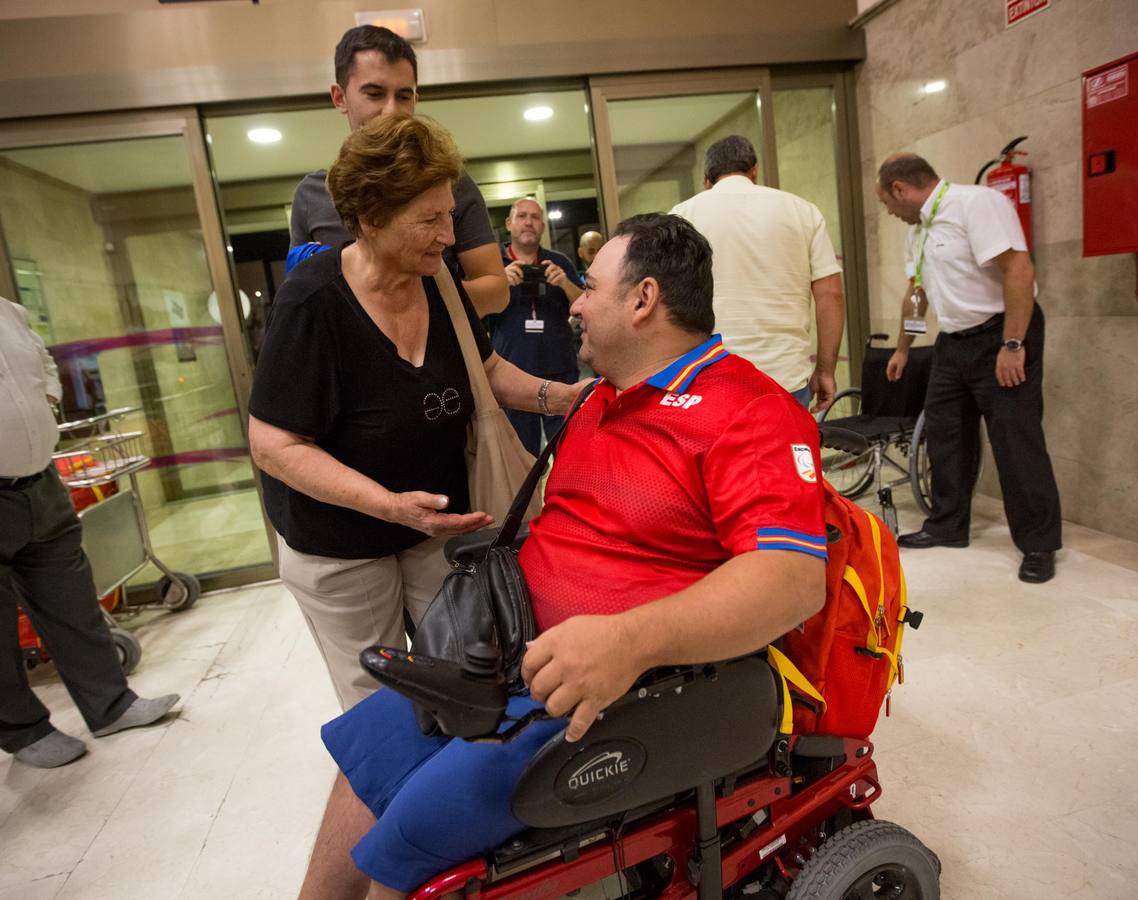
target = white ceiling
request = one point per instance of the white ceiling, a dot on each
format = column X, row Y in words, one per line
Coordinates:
column 485, row 128
column 112, row 166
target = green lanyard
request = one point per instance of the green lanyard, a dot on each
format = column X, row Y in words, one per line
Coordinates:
column 924, row 235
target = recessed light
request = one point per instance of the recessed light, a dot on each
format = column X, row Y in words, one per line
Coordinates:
column 555, row 214
column 538, row 113
column 263, row 135
column 935, row 87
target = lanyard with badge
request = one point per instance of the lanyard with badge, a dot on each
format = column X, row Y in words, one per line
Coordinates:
column 915, row 322
column 534, row 325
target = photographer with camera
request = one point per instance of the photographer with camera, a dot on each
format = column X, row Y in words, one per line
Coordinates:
column 533, row 331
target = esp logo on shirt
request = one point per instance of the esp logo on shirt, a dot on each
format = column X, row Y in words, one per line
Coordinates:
column 683, row 401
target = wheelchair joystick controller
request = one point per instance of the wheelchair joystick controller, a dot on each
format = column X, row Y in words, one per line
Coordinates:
column 467, row 699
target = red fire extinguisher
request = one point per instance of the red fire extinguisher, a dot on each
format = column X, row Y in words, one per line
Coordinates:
column 1013, row 181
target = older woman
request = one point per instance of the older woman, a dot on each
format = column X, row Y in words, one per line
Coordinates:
column 361, row 401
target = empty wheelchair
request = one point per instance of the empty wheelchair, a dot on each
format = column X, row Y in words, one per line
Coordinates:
column 889, row 417
column 684, row 788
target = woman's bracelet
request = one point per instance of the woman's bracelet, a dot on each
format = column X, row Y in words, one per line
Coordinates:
column 543, row 397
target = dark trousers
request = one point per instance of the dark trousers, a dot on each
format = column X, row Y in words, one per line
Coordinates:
column 42, row 564
column 530, row 425
column 962, row 388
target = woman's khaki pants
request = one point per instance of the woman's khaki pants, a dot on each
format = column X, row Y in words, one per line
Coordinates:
column 350, row 604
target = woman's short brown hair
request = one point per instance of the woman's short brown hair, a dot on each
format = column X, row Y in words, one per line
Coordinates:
column 386, row 164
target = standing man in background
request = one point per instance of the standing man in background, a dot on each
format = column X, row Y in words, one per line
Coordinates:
column 44, row 569
column 534, row 332
column 376, row 74
column 771, row 255
column 966, row 249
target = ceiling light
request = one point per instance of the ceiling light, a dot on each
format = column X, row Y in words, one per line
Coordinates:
column 538, row 113
column 263, row 135
column 935, row 87
column 555, row 214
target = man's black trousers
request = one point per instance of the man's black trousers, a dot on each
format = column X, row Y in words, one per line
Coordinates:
column 962, row 388
column 42, row 564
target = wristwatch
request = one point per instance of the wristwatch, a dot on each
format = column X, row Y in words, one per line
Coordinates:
column 1013, row 344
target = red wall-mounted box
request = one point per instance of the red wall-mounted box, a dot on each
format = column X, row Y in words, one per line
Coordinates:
column 1110, row 158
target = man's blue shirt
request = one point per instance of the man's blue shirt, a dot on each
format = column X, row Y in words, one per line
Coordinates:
column 547, row 352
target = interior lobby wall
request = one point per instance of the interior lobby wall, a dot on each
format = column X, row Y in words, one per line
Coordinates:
column 1002, row 83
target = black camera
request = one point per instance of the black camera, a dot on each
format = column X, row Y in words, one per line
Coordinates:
column 533, row 273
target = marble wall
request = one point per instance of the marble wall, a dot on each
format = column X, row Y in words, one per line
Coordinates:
column 1002, row 83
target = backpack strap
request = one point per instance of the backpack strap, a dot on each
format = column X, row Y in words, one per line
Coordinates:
column 873, row 641
column 789, row 674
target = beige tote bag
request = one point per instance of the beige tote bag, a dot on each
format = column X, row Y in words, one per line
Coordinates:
column 496, row 460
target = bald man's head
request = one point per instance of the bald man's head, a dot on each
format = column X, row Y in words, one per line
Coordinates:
column 908, row 168
column 591, row 242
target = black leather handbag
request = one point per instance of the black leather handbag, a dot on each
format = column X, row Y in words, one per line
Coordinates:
column 485, row 599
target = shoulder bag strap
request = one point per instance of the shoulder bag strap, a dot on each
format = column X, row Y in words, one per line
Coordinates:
column 513, row 522
column 484, row 399
column 475, row 371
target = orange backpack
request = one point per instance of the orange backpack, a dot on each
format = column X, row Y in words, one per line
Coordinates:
column 840, row 665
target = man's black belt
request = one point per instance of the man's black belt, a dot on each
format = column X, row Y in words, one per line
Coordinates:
column 14, row 484
column 976, row 329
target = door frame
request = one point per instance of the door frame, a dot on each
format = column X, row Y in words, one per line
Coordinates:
column 183, row 122
column 606, row 88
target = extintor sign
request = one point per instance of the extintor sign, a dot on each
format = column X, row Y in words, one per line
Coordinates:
column 1018, row 10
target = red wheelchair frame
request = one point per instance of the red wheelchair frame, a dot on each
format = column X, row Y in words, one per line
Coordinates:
column 786, row 839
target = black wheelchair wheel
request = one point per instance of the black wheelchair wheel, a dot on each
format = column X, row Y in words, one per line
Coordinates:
column 869, row 859
column 850, row 474
column 920, row 472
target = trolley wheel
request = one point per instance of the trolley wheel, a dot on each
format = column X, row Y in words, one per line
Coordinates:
column 128, row 647
column 850, row 474
column 872, row 858
column 179, row 592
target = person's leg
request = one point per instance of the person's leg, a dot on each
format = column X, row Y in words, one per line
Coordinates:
column 528, row 427
column 423, row 568
column 802, row 395
column 53, row 577
column 23, row 719
column 1015, row 427
column 952, row 423
column 331, row 873
column 453, row 807
column 348, row 604
column 376, row 744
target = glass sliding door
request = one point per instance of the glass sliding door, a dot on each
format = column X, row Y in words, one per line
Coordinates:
column 807, row 166
column 107, row 249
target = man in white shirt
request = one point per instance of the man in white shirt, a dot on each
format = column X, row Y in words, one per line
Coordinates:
column 44, row 568
column 966, row 252
column 771, row 256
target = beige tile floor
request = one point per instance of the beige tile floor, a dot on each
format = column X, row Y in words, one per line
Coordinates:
column 1009, row 749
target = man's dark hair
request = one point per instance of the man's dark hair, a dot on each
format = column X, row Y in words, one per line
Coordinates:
column 908, row 168
column 727, row 156
column 369, row 37
column 670, row 250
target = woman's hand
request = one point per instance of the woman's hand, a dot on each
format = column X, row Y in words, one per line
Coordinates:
column 423, row 512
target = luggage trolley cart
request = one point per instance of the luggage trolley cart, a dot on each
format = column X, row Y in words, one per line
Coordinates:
column 115, row 534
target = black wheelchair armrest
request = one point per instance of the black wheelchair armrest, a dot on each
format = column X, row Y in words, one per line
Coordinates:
column 834, row 438
column 469, row 548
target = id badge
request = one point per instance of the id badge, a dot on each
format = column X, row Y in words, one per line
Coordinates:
column 915, row 322
column 535, row 326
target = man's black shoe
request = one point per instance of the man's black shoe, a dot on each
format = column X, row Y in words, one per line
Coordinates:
column 919, row 540
column 1037, row 568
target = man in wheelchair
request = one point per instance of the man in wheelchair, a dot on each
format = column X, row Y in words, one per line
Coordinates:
column 682, row 524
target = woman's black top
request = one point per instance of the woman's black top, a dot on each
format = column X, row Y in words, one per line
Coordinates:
column 328, row 372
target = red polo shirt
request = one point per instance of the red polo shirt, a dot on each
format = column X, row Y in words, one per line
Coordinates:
column 656, row 487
